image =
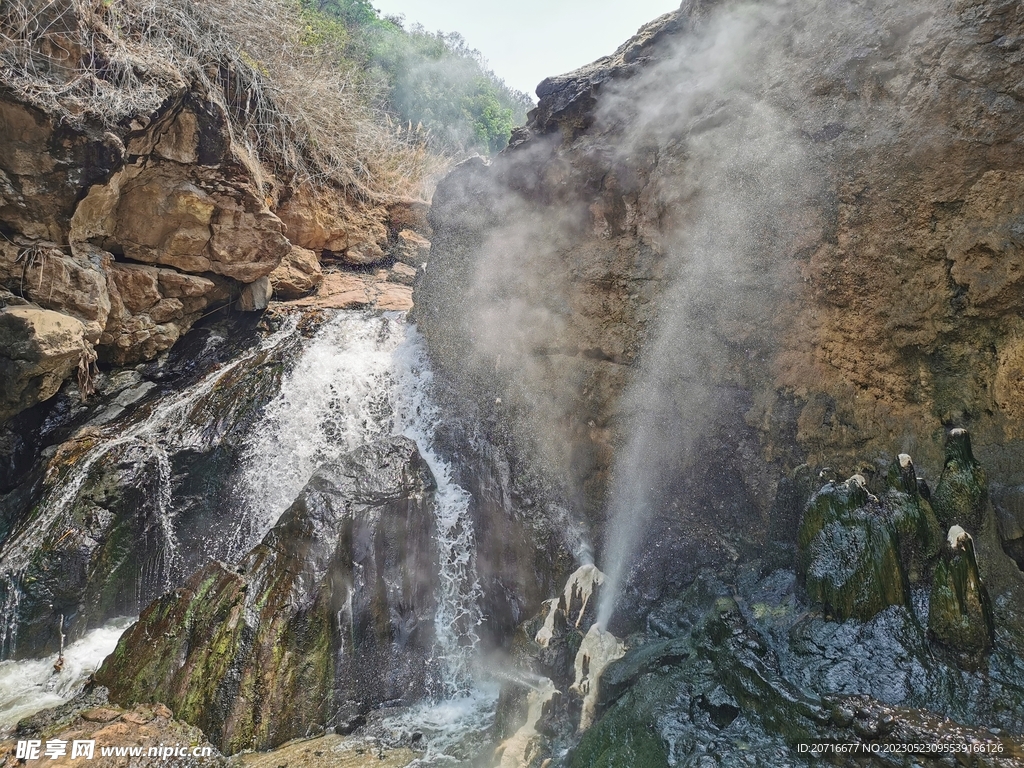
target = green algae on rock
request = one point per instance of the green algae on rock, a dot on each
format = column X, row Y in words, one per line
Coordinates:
column 960, row 496
column 326, row 618
column 960, row 613
column 913, row 519
column 850, row 553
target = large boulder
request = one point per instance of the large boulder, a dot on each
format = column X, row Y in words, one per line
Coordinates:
column 39, row 348
column 298, row 274
column 330, row 615
column 851, row 553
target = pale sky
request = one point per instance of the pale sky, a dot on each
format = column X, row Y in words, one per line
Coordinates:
column 525, row 41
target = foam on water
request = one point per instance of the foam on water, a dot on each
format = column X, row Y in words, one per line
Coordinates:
column 337, row 396
column 32, row 684
column 452, row 729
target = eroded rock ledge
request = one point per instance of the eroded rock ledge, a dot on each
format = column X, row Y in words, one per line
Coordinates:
column 133, row 234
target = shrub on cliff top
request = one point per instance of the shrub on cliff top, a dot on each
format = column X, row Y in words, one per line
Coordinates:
column 292, row 97
column 433, row 80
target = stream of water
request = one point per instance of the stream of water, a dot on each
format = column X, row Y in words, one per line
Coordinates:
column 361, row 377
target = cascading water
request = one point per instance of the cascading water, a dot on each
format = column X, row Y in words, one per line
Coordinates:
column 29, row 686
column 361, row 377
column 178, row 422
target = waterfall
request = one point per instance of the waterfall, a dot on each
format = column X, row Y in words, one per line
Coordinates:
column 458, row 603
column 177, row 421
column 30, row 685
column 362, row 377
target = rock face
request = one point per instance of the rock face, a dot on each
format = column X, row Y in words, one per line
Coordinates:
column 86, row 209
column 38, row 350
column 298, row 274
column 329, row 616
column 88, row 529
column 146, row 205
column 729, row 239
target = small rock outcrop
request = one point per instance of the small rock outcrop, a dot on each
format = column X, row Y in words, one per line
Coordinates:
column 329, row 616
column 851, row 552
column 960, row 610
column 39, row 348
column 962, row 490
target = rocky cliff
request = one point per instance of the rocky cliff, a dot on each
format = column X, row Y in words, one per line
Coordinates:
column 148, row 175
column 753, row 237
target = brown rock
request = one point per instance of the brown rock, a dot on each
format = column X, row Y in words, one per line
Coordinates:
column 39, row 348
column 363, row 253
column 298, row 274
column 402, row 274
column 315, row 221
column 393, row 297
column 49, row 277
column 100, row 715
column 339, row 290
column 256, row 295
column 412, row 249
column 178, row 285
column 138, row 286
column 409, row 213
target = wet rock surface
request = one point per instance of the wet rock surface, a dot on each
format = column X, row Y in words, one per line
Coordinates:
column 329, row 616
column 86, row 530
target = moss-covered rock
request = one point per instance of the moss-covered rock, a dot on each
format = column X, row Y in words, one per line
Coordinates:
column 960, row 611
column 962, row 491
column 329, row 616
column 913, row 519
column 850, row 552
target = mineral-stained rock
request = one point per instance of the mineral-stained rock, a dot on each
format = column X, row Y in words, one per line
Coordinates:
column 962, row 491
column 329, row 616
column 960, row 610
column 298, row 274
column 39, row 348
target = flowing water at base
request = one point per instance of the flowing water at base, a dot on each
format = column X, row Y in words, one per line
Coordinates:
column 362, row 377
column 31, row 685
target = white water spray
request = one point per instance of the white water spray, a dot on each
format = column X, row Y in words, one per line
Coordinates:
column 31, row 685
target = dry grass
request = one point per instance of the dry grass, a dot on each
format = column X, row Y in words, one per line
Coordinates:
column 296, row 106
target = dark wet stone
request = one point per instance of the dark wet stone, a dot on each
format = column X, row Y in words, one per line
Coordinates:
column 331, row 615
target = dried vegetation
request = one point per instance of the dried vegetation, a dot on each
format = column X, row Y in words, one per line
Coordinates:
column 292, row 100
